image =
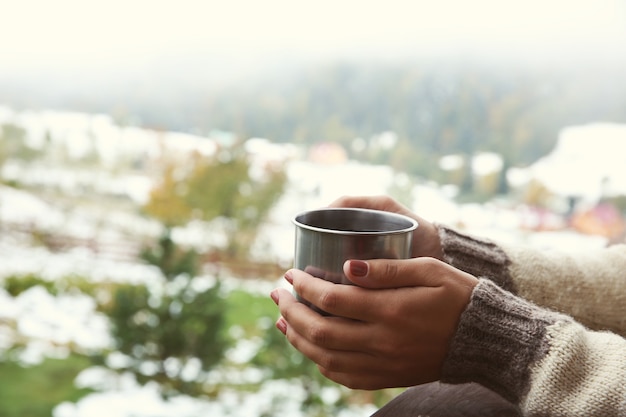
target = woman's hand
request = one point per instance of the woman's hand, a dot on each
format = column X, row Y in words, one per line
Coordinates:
column 426, row 240
column 392, row 329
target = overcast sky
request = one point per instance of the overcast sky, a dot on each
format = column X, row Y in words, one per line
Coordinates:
column 83, row 36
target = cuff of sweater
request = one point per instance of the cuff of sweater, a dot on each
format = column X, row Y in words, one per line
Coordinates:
column 498, row 339
column 476, row 256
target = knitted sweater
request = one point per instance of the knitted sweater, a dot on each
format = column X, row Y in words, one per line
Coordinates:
column 543, row 329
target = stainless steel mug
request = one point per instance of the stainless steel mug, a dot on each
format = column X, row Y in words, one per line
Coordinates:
column 326, row 238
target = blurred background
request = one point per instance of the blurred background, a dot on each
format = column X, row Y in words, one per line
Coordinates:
column 153, row 153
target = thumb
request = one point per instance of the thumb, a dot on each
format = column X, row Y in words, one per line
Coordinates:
column 395, row 273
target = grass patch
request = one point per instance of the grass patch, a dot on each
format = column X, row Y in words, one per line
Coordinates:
column 250, row 312
column 34, row 391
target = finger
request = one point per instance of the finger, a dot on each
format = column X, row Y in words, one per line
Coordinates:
column 426, row 233
column 396, row 273
column 324, row 331
column 341, row 300
column 381, row 202
column 332, row 342
column 343, row 361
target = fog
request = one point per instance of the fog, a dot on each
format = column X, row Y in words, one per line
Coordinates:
column 57, row 47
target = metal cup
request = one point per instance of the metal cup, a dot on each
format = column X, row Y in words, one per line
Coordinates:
column 328, row 237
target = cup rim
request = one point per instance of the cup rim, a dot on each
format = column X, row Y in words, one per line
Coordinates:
column 413, row 223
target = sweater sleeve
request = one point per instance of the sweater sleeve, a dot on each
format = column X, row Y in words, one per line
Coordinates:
column 541, row 360
column 589, row 286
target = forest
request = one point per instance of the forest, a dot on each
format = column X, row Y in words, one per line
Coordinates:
column 434, row 108
column 433, row 112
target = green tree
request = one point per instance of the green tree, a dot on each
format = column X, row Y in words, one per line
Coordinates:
column 170, row 258
column 168, row 327
column 219, row 187
column 165, row 333
column 166, row 201
column 12, row 144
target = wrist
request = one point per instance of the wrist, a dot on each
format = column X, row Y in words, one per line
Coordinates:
column 427, row 241
column 476, row 256
column 498, row 339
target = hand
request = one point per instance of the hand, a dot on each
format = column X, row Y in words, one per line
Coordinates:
column 392, row 329
column 426, row 240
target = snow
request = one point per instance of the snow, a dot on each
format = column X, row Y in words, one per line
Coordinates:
column 49, row 323
column 281, row 397
column 81, row 262
column 18, row 206
column 486, row 163
column 483, row 163
column 451, row 162
column 588, row 161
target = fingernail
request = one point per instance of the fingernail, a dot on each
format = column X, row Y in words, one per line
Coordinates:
column 274, row 295
column 281, row 325
column 289, row 277
column 359, row 268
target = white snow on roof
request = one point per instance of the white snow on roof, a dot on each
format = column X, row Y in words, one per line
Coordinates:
column 82, row 134
column 588, row 160
column 486, row 163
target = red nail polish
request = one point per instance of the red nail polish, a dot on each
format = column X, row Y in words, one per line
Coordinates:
column 281, row 325
column 359, row 268
column 274, row 295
